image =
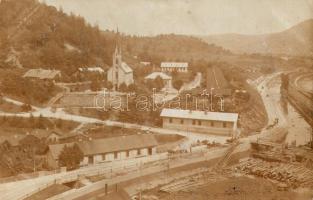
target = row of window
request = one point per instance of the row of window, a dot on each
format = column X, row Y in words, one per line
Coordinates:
column 127, row 153
column 197, row 122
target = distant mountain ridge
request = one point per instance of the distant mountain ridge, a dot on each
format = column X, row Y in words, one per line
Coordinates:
column 296, row 41
column 34, row 35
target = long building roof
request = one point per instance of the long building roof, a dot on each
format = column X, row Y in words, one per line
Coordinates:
column 199, row 115
column 108, row 145
column 174, row 64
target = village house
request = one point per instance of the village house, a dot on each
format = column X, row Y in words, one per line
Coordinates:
column 10, row 143
column 145, row 63
column 120, row 72
column 174, row 66
column 107, row 149
column 91, row 70
column 217, row 123
column 43, row 74
column 166, row 78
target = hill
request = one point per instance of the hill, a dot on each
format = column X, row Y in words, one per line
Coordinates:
column 296, row 41
column 34, row 35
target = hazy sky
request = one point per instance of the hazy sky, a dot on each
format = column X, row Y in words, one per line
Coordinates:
column 150, row 17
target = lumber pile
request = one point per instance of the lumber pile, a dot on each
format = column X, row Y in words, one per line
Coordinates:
column 292, row 174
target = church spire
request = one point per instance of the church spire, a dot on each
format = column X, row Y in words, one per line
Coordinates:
column 118, row 47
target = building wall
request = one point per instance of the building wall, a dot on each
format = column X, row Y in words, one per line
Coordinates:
column 171, row 69
column 85, row 161
column 51, row 161
column 123, row 77
column 118, row 156
column 210, row 127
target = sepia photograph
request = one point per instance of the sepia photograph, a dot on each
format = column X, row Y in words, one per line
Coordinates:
column 156, row 99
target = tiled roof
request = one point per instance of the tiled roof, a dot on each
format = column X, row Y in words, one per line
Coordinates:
column 107, row 145
column 200, row 115
column 174, row 64
column 126, row 68
column 114, row 144
column 91, row 69
column 41, row 73
column 154, row 75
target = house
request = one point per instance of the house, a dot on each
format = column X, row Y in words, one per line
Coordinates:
column 145, row 63
column 107, row 149
column 43, row 74
column 91, row 70
column 10, row 142
column 216, row 81
column 47, row 136
column 120, row 72
column 217, row 123
column 174, row 66
column 166, row 78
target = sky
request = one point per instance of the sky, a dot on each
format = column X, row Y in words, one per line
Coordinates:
column 190, row 17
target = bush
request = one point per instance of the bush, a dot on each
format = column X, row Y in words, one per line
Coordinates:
column 70, row 157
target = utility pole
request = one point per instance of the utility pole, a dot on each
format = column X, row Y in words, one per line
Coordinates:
column 311, row 142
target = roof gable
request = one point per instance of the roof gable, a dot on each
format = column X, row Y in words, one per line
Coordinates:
column 126, row 68
column 154, row 75
column 42, row 74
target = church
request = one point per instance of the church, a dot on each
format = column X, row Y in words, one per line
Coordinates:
column 120, row 72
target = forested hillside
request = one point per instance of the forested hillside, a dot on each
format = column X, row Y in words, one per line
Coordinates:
column 35, row 35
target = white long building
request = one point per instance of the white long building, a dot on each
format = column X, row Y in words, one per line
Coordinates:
column 107, row 149
column 216, row 123
column 174, row 66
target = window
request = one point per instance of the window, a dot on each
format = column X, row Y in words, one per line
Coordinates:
column 138, row 152
column 103, row 156
column 171, row 120
column 115, row 155
column 199, row 123
column 224, row 124
column 212, row 123
column 193, row 122
column 150, row 151
column 127, row 154
column 181, row 121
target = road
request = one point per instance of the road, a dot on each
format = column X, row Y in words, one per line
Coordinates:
column 129, row 170
column 165, row 165
column 298, row 129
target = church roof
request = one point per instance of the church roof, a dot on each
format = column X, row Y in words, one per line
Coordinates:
column 126, row 68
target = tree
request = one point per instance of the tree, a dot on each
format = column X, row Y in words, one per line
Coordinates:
column 123, row 87
column 95, row 85
column 71, row 156
column 132, row 88
column 26, row 108
column 109, row 85
column 159, row 83
column 177, row 84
